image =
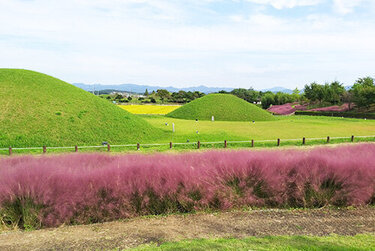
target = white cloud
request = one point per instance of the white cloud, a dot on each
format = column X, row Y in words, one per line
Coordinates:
column 345, row 6
column 281, row 4
column 153, row 42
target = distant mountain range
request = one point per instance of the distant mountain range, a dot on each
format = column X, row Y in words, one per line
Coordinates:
column 278, row 89
column 142, row 88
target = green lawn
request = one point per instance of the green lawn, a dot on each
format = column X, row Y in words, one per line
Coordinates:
column 290, row 127
column 333, row 242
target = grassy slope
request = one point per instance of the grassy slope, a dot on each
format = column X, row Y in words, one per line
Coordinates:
column 223, row 107
column 334, row 242
column 37, row 109
column 289, row 127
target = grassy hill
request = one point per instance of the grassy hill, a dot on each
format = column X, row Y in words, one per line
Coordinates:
column 37, row 109
column 224, row 107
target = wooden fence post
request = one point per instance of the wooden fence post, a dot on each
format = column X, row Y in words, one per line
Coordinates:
column 278, row 142
column 108, row 147
column 170, row 145
column 44, row 149
column 352, row 138
column 199, row 144
column 76, row 148
column 138, row 146
column 225, row 143
column 10, row 150
column 327, row 139
column 303, row 140
column 252, row 143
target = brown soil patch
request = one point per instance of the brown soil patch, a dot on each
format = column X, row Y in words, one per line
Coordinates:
column 133, row 232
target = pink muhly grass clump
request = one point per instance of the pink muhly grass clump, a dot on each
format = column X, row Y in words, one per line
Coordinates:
column 284, row 109
column 335, row 108
column 86, row 188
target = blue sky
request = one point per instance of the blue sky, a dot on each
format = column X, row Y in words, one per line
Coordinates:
column 233, row 43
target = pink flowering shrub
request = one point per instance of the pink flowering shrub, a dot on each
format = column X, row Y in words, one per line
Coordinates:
column 335, row 108
column 44, row 191
column 301, row 107
column 284, row 109
column 290, row 108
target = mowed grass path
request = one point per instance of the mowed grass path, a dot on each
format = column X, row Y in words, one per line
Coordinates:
column 333, row 242
column 149, row 109
column 290, row 127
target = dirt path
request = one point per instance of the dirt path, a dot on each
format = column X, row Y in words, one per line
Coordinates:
column 131, row 233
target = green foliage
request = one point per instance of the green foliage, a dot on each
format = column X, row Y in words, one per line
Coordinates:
column 223, row 107
column 185, row 97
column 268, row 100
column 55, row 113
column 332, row 93
column 279, row 98
column 22, row 213
column 118, row 97
column 163, row 94
column 250, row 95
column 338, row 114
column 363, row 92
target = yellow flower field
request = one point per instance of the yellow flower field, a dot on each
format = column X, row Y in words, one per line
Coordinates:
column 149, row 109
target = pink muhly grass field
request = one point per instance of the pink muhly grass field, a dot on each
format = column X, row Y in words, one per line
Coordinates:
column 285, row 109
column 335, row 108
column 290, row 108
column 44, row 191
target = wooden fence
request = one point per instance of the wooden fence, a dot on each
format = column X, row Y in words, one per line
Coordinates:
column 171, row 144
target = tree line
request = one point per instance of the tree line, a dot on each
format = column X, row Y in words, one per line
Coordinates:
column 160, row 96
column 362, row 94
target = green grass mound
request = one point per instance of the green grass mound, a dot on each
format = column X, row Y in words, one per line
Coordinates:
column 224, row 107
column 37, row 109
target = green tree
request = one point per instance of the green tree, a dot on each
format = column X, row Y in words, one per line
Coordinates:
column 118, row 97
column 296, row 95
column 314, row 92
column 268, row 99
column 347, row 97
column 163, row 94
column 250, row 95
column 363, row 92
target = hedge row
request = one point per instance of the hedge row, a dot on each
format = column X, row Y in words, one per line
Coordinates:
column 338, row 114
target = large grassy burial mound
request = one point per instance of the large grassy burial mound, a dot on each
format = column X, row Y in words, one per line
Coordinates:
column 37, row 109
column 223, row 107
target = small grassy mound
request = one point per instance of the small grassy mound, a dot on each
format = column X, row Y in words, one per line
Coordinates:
column 37, row 109
column 224, row 107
